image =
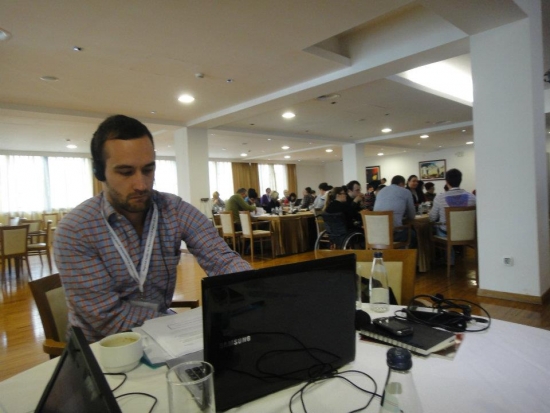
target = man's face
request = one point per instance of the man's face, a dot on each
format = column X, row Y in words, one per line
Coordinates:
column 355, row 191
column 129, row 173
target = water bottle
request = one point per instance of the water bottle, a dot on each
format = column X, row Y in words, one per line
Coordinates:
column 400, row 394
column 378, row 285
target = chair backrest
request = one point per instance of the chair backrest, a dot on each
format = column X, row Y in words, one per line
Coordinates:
column 48, row 236
column 246, row 223
column 34, row 224
column 50, row 216
column 13, row 240
column 378, row 227
column 320, row 223
column 461, row 223
column 335, row 224
column 52, row 306
column 400, row 266
column 228, row 226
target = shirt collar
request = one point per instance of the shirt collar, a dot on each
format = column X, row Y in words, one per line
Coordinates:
column 112, row 215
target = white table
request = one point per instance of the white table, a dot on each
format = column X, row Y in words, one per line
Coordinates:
column 506, row 369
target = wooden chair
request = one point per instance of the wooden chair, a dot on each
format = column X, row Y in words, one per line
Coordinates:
column 43, row 248
column 252, row 234
column 35, row 227
column 13, row 244
column 400, row 265
column 52, row 307
column 50, row 216
column 378, row 227
column 228, row 229
column 461, row 230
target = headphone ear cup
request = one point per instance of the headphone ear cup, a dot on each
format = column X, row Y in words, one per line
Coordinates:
column 99, row 170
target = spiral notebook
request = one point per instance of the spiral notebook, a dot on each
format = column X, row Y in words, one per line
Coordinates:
column 424, row 339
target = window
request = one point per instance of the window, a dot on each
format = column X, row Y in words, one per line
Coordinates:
column 221, row 178
column 166, row 176
column 40, row 183
column 273, row 176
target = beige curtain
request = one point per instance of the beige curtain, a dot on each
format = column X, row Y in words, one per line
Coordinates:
column 292, row 178
column 245, row 175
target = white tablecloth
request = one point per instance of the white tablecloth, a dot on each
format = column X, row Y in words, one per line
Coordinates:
column 506, row 369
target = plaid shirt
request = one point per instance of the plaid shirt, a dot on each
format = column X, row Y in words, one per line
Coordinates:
column 96, row 281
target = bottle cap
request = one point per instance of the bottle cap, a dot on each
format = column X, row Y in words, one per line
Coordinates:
column 378, row 254
column 399, row 358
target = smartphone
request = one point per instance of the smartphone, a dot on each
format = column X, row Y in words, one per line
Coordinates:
column 394, row 326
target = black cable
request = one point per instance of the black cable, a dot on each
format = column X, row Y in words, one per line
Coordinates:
column 140, row 394
column 117, row 374
column 301, row 391
column 446, row 318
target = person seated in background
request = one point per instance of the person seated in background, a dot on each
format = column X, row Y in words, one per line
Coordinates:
column 354, row 196
column 430, row 191
column 377, row 190
column 319, row 201
column 252, row 198
column 292, row 199
column 284, row 199
column 237, row 203
column 369, row 198
column 398, row 199
column 383, row 181
column 273, row 202
column 416, row 191
column 217, row 203
column 336, row 202
column 266, row 198
column 118, row 252
column 307, row 198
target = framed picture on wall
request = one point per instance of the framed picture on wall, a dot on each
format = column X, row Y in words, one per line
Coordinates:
column 432, row 170
column 373, row 173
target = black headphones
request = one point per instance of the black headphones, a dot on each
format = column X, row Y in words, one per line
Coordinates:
column 98, row 168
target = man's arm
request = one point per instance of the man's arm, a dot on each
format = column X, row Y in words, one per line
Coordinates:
column 243, row 206
column 92, row 292
column 410, row 209
column 435, row 212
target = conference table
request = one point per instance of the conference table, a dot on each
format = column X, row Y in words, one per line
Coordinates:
column 504, row 369
column 292, row 233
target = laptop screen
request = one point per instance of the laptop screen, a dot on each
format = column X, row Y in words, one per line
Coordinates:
column 77, row 384
column 268, row 329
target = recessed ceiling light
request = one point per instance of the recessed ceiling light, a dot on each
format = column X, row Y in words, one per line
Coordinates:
column 424, row 136
column 71, row 146
column 386, row 130
column 287, row 156
column 4, row 35
column 463, row 130
column 268, row 139
column 77, row 48
column 380, row 153
column 470, row 143
column 288, row 115
column 285, row 147
column 49, row 78
column 186, row 98
column 244, row 154
column 229, row 80
column 329, row 150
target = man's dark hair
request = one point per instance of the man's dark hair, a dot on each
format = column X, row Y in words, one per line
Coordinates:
column 252, row 193
column 114, row 127
column 454, row 178
column 351, row 184
column 398, row 180
column 241, row 191
column 429, row 185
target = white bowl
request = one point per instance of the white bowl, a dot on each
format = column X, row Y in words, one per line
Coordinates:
column 120, row 353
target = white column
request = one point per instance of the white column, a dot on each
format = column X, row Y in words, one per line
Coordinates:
column 353, row 160
column 510, row 158
column 191, row 146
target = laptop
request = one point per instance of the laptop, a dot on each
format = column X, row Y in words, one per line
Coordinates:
column 77, row 384
column 268, row 329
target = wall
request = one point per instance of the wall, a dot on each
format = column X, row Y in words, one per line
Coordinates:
column 309, row 175
column 334, row 173
column 407, row 164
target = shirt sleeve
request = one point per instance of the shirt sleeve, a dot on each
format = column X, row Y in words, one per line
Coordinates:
column 243, row 205
column 203, row 241
column 411, row 210
column 436, row 209
column 91, row 291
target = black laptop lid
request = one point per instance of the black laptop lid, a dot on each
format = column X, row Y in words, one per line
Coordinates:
column 272, row 328
column 77, row 384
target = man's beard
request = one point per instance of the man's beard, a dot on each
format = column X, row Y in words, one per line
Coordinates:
column 130, row 203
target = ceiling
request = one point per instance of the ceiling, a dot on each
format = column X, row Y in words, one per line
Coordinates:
column 257, row 60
